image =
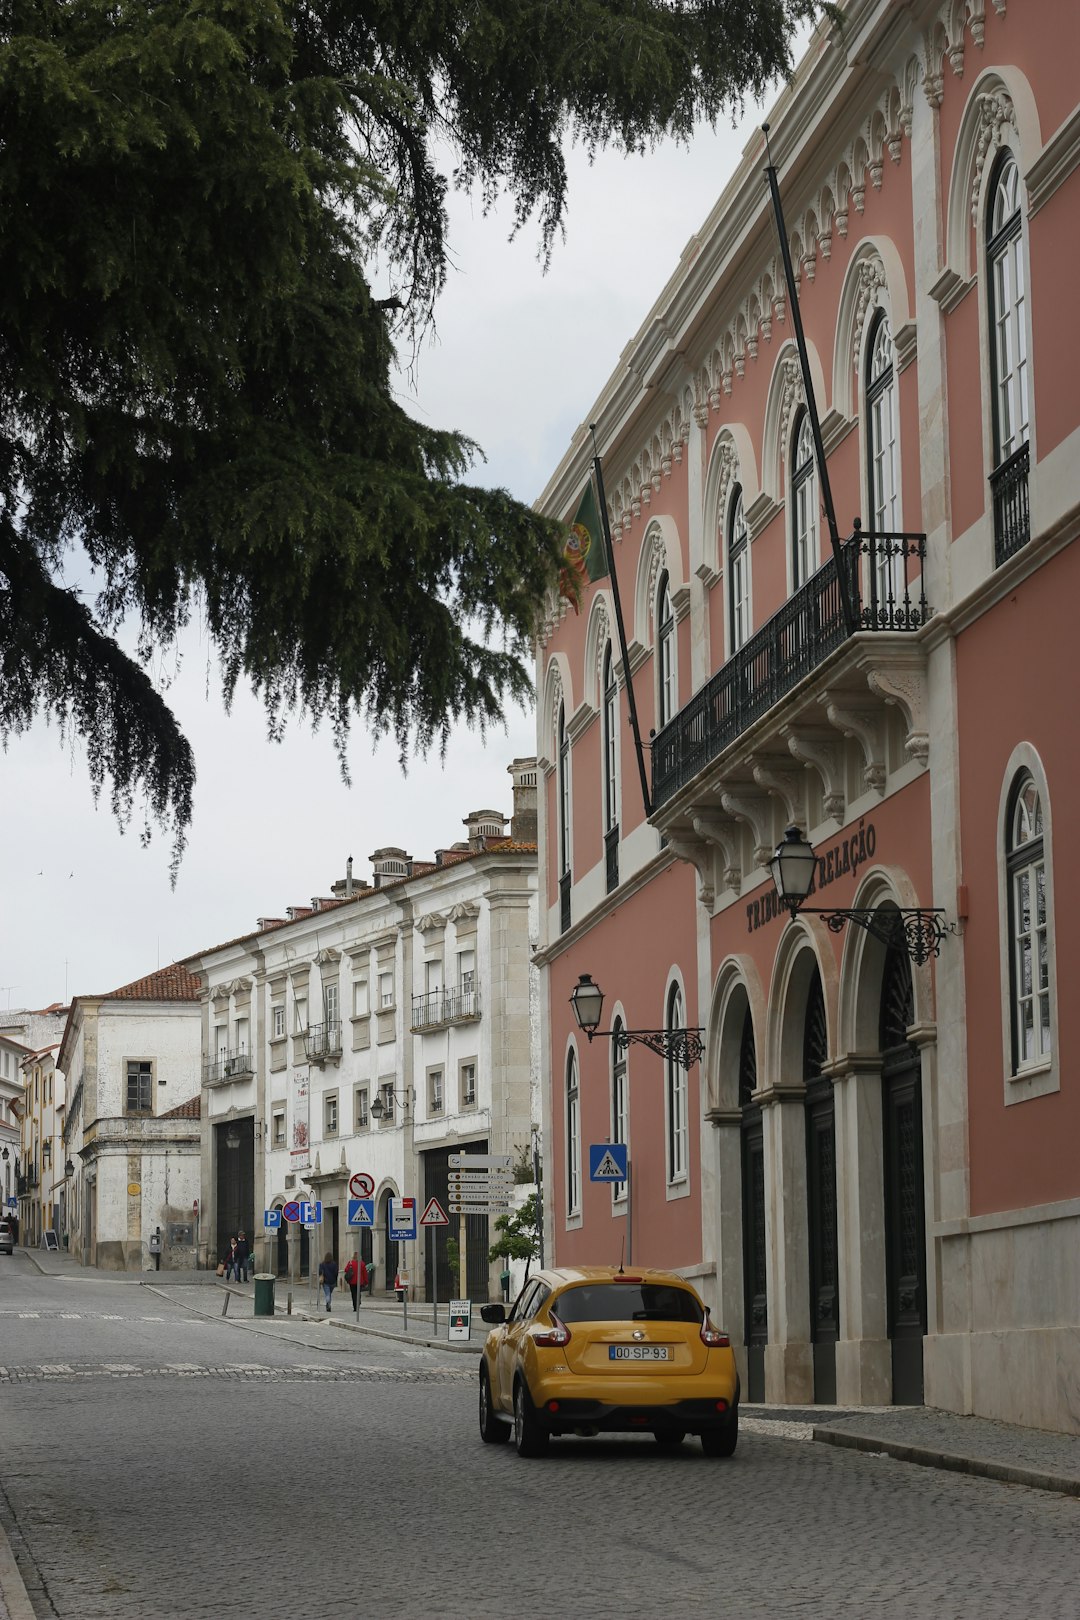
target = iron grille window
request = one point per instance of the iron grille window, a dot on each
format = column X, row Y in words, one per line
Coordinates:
column 1009, row 360
column 573, row 1138
column 1029, row 955
column 738, row 572
column 611, row 733
column 667, row 695
column 677, row 1095
column 804, row 503
column 140, row 1088
column 620, row 1104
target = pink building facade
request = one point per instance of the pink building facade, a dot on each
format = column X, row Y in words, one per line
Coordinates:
column 873, row 1172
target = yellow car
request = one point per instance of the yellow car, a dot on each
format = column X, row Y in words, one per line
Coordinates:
column 586, row 1349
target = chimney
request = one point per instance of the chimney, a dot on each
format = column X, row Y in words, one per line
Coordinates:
column 523, row 824
column 390, row 864
column 484, row 826
column 348, row 878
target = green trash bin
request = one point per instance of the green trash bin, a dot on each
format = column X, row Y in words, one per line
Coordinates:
column 264, row 1294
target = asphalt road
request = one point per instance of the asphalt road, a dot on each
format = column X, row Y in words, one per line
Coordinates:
column 160, row 1466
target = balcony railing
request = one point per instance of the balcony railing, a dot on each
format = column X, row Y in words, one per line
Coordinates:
column 27, row 1181
column 322, row 1040
column 798, row 638
column 227, row 1066
column 1012, row 517
column 611, row 857
column 450, row 1006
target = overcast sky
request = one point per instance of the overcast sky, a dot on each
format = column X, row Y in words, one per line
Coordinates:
column 519, row 359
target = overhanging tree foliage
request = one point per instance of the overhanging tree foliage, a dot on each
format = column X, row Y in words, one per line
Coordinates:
column 195, row 395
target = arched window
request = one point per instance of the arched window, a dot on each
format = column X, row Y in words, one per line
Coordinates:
column 620, row 1101
column 611, row 735
column 887, row 584
column 677, row 1086
column 1008, row 358
column 573, row 1138
column 738, row 549
column 1029, row 934
column 667, row 696
column 804, row 503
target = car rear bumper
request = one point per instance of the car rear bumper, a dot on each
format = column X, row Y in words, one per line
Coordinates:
column 690, row 1416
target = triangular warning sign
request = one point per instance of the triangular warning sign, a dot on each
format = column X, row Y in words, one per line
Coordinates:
column 434, row 1214
column 609, row 1167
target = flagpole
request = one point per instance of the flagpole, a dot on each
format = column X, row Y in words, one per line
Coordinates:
column 617, row 602
column 808, row 388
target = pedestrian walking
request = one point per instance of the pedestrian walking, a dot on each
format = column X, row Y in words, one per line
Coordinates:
column 231, row 1263
column 328, row 1270
column 353, row 1280
column 243, row 1257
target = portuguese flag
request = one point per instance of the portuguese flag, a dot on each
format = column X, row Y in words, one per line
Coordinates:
column 584, row 555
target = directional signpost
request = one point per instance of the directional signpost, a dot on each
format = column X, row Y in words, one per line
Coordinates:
column 478, row 1184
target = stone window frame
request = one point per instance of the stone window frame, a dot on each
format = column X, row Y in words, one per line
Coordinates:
column 331, row 1103
column 140, row 1113
column 465, row 1105
column 1043, row 1077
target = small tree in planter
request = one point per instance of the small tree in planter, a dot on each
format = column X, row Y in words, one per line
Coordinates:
column 519, row 1237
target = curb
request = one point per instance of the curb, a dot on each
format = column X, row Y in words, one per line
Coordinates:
column 14, row 1598
column 951, row 1461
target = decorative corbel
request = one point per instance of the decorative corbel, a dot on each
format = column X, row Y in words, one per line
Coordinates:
column 865, row 722
column 822, row 752
column 755, row 809
column 788, row 786
column 907, row 690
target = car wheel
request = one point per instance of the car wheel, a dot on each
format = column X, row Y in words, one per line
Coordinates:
column 530, row 1439
column 672, row 1437
column 492, row 1431
column 722, row 1442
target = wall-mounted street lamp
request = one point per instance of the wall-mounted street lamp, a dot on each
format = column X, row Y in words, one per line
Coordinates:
column 232, row 1138
column 919, row 931
column 683, row 1046
column 383, row 1103
column 69, row 1169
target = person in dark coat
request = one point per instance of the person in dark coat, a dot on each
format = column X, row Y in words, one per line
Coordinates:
column 328, row 1270
column 243, row 1257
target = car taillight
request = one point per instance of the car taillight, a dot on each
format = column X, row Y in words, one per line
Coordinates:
column 559, row 1334
column 713, row 1336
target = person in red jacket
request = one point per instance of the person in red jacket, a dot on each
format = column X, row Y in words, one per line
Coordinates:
column 351, row 1277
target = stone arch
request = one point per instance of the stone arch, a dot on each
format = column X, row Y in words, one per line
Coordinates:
column 863, row 962
column 558, row 689
column 732, row 461
column 1000, row 111
column 660, row 550
column 598, row 633
column 738, row 986
column 803, row 947
column 875, row 279
column 785, row 394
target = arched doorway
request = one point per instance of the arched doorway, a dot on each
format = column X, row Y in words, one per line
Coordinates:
column 753, row 1216
column 905, row 1222
column 821, row 1196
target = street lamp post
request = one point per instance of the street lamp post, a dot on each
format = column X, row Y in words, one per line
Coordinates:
column 683, row 1046
column 918, row 930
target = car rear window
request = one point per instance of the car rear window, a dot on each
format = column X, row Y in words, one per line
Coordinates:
column 626, row 1302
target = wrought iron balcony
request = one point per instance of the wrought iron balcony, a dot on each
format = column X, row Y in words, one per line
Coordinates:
column 456, row 1005
column 798, row 638
column 322, row 1041
column 1012, row 517
column 227, row 1066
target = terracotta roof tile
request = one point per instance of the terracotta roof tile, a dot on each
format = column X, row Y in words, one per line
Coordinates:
column 192, row 1109
column 174, row 983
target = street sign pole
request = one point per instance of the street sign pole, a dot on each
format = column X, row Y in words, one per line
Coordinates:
column 629, row 1212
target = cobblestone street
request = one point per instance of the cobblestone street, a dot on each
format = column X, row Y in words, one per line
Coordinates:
column 160, row 1465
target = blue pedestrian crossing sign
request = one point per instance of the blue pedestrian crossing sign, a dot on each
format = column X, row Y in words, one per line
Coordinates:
column 361, row 1212
column 271, row 1219
column 607, row 1161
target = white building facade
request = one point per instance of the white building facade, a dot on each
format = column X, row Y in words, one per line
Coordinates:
column 375, row 1032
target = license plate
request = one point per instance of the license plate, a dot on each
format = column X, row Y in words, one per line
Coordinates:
column 639, row 1352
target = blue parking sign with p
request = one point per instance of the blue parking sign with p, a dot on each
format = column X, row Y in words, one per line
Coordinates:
column 361, row 1212
column 271, row 1219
